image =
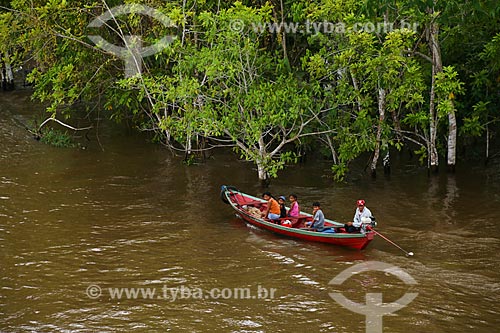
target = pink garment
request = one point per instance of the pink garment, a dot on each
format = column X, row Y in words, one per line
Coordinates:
column 294, row 210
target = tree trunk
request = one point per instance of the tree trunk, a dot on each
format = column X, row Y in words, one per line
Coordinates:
column 133, row 57
column 10, row 76
column 261, row 163
column 381, row 112
column 332, row 149
column 3, row 73
column 452, row 140
column 437, row 67
column 285, row 55
column 387, row 161
column 355, row 85
column 397, row 125
column 487, row 145
column 263, row 176
column 189, row 146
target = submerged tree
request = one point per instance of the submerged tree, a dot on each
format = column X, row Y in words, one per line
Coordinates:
column 231, row 91
column 374, row 80
column 230, row 79
column 7, row 47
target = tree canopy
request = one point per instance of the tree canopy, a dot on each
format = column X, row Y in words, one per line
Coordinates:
column 276, row 80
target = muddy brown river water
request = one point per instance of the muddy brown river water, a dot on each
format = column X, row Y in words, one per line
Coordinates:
column 79, row 226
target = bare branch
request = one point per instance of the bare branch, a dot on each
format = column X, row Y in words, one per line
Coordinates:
column 424, row 56
column 421, row 137
column 63, row 124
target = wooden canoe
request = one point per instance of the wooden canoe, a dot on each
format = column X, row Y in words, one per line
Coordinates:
column 242, row 204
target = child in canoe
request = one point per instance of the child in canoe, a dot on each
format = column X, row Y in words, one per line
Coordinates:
column 273, row 208
column 294, row 206
column 318, row 222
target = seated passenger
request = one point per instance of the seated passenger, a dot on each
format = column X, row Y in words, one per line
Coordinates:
column 361, row 212
column 273, row 208
column 318, row 222
column 281, row 202
column 294, row 206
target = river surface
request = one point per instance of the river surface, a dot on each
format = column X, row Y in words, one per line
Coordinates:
column 76, row 223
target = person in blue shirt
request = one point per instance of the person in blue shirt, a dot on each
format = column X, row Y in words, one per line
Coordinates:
column 318, row 222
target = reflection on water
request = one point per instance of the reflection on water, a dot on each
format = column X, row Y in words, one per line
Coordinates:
column 133, row 216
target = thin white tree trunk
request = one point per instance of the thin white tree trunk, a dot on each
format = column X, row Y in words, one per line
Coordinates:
column 263, row 176
column 437, row 67
column 452, row 140
column 261, row 161
column 332, row 149
column 9, row 73
column 381, row 112
column 3, row 71
column 189, row 146
column 355, row 85
column 387, row 161
column 283, row 36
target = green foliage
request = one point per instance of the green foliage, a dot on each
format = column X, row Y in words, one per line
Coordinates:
column 269, row 95
column 57, row 138
column 472, row 127
column 339, row 171
column 422, row 155
column 491, row 52
column 448, row 86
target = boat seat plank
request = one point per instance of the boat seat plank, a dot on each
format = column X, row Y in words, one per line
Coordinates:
column 252, row 203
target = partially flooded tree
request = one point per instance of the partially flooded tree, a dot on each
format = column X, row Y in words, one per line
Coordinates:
column 7, row 45
column 228, row 81
column 231, row 91
column 373, row 80
column 448, row 86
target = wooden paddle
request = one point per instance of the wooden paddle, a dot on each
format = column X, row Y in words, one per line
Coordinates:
column 408, row 254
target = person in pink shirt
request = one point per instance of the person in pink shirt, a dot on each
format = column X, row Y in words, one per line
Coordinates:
column 294, row 206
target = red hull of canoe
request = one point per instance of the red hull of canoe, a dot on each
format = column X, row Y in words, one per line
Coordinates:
column 237, row 199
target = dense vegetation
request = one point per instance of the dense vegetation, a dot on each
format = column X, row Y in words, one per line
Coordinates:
column 341, row 77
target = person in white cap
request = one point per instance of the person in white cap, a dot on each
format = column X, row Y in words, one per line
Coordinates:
column 362, row 213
